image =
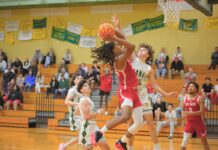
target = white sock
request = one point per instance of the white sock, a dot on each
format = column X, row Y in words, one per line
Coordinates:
column 124, row 139
column 156, row 146
column 104, row 129
column 130, row 147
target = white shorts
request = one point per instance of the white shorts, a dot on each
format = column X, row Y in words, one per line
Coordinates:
column 75, row 121
column 146, row 103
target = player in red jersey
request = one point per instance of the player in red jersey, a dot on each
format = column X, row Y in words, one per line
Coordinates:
column 193, row 110
column 116, row 53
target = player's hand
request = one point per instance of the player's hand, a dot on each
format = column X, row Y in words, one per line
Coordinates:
column 109, row 38
column 115, row 20
column 101, row 111
column 186, row 113
column 172, row 94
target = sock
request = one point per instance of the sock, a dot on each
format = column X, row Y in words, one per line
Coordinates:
column 124, row 139
column 130, row 147
column 156, row 146
column 104, row 129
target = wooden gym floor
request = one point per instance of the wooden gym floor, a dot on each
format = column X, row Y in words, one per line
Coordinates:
column 44, row 139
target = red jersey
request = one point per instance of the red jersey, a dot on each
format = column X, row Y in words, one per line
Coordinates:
column 106, row 83
column 193, row 105
column 127, row 77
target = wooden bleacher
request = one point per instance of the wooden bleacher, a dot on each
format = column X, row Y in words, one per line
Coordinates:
column 20, row 118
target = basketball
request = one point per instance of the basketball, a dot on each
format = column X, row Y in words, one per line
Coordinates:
column 106, row 29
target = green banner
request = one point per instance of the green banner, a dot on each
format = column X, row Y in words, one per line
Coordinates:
column 188, row 25
column 72, row 37
column 39, row 23
column 140, row 26
column 157, row 22
column 58, row 33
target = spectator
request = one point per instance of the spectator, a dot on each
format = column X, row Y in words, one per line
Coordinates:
column 84, row 67
column 177, row 67
column 180, row 98
column 96, row 70
column 29, row 82
column 63, row 72
column 90, row 74
column 39, row 82
column 161, row 68
column 178, row 54
column 163, row 55
column 50, row 58
column 159, row 108
column 10, row 86
column 171, row 120
column 26, row 66
column 1, row 101
column 153, row 95
column 81, row 72
column 17, row 65
column 3, row 65
column 10, row 64
column 63, row 65
column 3, row 55
column 37, row 56
column 214, row 94
column 52, row 86
column 63, row 86
column 20, row 82
column 207, row 86
column 190, row 76
column 7, row 78
column 33, row 67
column 214, row 59
column 105, row 88
column 14, row 98
column 68, row 56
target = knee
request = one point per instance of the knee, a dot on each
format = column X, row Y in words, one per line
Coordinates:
column 125, row 117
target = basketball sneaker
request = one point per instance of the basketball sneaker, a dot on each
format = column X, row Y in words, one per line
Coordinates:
column 120, row 145
column 96, row 136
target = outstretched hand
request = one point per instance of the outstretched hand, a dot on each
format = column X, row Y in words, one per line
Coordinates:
column 115, row 20
column 172, row 94
column 109, row 38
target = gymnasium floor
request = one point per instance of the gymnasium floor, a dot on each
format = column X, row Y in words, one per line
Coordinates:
column 44, row 139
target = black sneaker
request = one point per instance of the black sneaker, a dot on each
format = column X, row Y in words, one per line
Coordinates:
column 120, row 145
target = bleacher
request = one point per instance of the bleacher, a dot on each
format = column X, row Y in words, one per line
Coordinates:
column 20, row 118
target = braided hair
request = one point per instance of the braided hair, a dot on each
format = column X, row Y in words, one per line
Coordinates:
column 104, row 54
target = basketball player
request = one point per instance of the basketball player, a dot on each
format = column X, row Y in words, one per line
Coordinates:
column 88, row 123
column 72, row 100
column 193, row 110
column 117, row 53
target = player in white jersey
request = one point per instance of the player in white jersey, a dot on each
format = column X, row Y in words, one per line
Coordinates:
column 145, row 73
column 88, row 122
column 72, row 100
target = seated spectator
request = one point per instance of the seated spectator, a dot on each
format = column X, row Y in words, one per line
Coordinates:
column 33, row 67
column 84, row 67
column 53, row 85
column 90, row 74
column 20, row 82
column 15, row 98
column 190, row 76
column 63, row 86
column 159, row 108
column 207, row 86
column 177, row 67
column 3, row 65
column 105, row 88
column 29, row 81
column 37, row 56
column 178, row 54
column 63, row 72
column 39, row 82
column 154, row 95
column 50, row 58
column 17, row 65
column 214, row 59
column 68, row 56
column 63, row 65
column 162, row 55
column 10, row 64
column 171, row 120
column 161, row 68
column 26, row 66
column 181, row 96
column 7, row 78
column 81, row 72
column 3, row 55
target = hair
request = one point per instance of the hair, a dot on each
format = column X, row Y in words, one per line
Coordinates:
column 195, row 84
column 104, row 54
column 207, row 78
column 80, row 85
column 150, row 50
column 170, row 104
column 74, row 76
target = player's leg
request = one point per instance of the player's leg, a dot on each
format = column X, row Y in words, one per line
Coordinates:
column 185, row 139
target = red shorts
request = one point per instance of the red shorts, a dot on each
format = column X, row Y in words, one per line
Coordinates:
column 130, row 94
column 198, row 127
column 16, row 101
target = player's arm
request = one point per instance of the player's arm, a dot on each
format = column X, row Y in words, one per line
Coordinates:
column 157, row 87
column 68, row 100
column 201, row 112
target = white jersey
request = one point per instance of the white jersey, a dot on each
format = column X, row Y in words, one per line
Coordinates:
column 74, row 119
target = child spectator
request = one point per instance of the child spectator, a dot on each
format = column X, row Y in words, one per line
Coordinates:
column 39, row 82
column 171, row 120
column 105, row 88
column 29, row 82
column 20, row 82
column 15, row 98
column 52, row 86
